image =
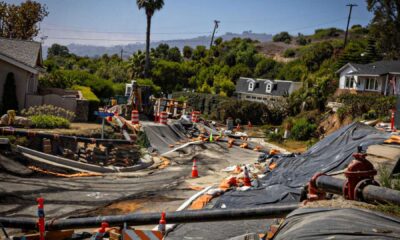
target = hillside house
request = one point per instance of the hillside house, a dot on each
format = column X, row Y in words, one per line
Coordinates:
column 265, row 90
column 382, row 77
column 24, row 59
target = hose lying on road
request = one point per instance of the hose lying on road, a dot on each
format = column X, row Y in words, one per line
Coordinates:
column 266, row 212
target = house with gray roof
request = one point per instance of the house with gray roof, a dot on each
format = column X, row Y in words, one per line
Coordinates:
column 265, row 90
column 24, row 60
column 382, row 77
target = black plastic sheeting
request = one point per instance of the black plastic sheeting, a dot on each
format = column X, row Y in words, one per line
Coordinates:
column 286, row 181
column 330, row 223
column 161, row 136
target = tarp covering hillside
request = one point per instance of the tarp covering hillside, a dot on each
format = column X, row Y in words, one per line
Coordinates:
column 328, row 223
column 292, row 173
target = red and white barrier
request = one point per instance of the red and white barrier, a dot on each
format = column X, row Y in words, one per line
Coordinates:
column 135, row 117
column 163, row 117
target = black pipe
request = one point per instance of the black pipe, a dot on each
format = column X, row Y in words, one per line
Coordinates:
column 271, row 211
column 370, row 193
column 373, row 193
column 22, row 223
column 8, row 131
column 330, row 184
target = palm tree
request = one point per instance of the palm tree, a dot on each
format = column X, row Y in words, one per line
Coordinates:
column 150, row 6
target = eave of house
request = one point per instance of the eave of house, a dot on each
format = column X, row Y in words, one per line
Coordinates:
column 21, row 65
column 345, row 66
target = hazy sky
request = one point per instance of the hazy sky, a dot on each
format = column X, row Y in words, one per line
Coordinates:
column 112, row 22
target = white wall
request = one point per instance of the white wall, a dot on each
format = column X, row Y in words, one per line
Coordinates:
column 22, row 78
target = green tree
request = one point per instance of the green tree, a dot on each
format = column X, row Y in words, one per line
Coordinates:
column 21, row 21
column 199, row 52
column 267, row 68
column 9, row 100
column 136, row 64
column 301, row 40
column 187, row 52
column 57, row 50
column 385, row 26
column 282, row 37
column 150, row 7
column 174, row 54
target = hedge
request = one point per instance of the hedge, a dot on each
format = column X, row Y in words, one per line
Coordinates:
column 94, row 101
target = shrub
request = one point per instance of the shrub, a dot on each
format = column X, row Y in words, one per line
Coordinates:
column 303, row 129
column 282, row 37
column 49, row 121
column 48, row 110
column 375, row 105
column 289, row 53
column 275, row 137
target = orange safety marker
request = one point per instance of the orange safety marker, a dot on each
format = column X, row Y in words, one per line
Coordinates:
column 101, row 232
column 135, row 117
column 195, row 172
column 41, row 223
column 162, row 224
column 246, row 178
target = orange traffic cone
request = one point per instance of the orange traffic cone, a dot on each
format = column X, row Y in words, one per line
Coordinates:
column 246, row 178
column 249, row 125
column 162, row 223
column 195, row 173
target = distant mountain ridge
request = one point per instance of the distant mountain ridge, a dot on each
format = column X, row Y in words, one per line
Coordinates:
column 96, row 51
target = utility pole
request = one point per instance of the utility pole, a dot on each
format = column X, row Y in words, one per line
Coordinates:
column 348, row 22
column 216, row 22
column 122, row 50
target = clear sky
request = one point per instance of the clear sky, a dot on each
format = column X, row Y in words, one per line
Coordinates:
column 112, row 22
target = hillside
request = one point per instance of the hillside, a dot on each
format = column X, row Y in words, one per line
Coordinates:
column 96, row 51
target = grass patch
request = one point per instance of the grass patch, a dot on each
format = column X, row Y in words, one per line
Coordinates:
column 49, row 121
column 86, row 92
column 389, row 209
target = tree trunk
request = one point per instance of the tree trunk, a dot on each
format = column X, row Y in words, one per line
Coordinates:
column 147, row 64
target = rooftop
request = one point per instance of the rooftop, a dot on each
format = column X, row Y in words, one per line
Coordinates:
column 25, row 52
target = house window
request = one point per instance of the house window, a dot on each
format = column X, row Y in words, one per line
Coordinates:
column 251, row 86
column 269, row 88
column 247, row 96
column 371, row 84
column 349, row 82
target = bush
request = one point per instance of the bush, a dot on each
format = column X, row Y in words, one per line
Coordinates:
column 49, row 121
column 303, row 129
column 373, row 104
column 48, row 110
column 282, row 37
column 274, row 137
column 327, row 32
column 289, row 53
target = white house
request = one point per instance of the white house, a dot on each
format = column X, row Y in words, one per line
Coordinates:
column 381, row 77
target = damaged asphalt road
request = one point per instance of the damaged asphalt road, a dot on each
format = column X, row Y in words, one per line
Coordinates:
column 87, row 196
